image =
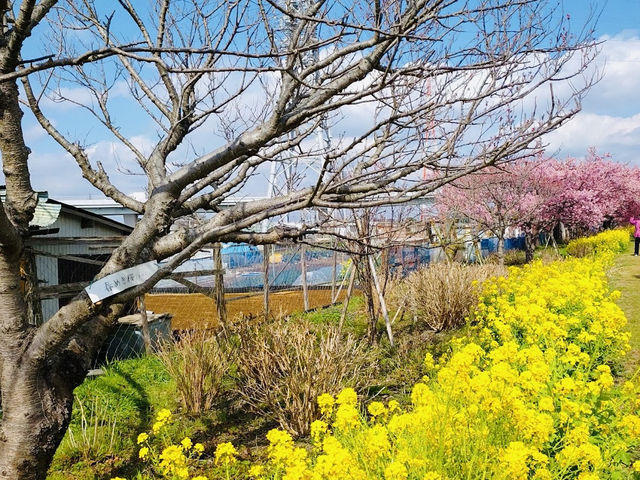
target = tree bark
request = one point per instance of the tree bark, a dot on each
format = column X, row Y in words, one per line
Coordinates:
column 36, row 414
column 366, row 286
column 36, row 407
column 345, row 306
column 383, row 304
column 529, row 246
column 500, row 250
column 144, row 322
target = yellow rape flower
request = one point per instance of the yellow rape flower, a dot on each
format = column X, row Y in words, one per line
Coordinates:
column 256, row 471
column 225, row 454
column 144, row 451
column 376, row 409
column 395, row 471
column 429, row 363
column 347, row 396
column 318, row 429
column 347, row 417
column 376, row 442
column 163, row 415
column 432, row 476
column 326, row 402
column 394, row 406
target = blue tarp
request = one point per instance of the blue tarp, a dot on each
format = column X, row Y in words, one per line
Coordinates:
column 240, row 255
column 491, row 244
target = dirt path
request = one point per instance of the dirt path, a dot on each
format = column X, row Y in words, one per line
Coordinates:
column 625, row 276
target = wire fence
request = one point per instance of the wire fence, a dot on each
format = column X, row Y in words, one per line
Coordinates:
column 253, row 278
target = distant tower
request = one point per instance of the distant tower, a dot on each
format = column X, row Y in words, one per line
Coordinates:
column 290, row 169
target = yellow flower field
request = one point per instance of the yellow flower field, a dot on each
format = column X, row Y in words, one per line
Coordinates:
column 527, row 394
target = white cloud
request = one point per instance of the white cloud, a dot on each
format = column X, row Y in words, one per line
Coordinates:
column 610, row 118
column 617, row 135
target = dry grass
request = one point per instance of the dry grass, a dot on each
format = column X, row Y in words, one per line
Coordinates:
column 441, row 295
column 284, row 365
column 198, row 364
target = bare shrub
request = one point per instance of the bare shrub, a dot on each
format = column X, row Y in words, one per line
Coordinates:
column 442, row 294
column 284, row 365
column 198, row 363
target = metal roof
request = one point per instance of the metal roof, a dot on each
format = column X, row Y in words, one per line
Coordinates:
column 45, row 213
column 48, row 210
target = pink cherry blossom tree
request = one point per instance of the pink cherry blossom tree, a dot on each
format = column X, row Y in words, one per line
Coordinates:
column 539, row 194
column 497, row 198
column 589, row 194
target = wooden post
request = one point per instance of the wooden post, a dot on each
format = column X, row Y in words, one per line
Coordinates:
column 265, row 273
column 345, row 305
column 218, row 285
column 383, row 304
column 146, row 334
column 303, row 268
column 334, row 297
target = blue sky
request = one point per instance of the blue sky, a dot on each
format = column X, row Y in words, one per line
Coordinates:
column 609, row 121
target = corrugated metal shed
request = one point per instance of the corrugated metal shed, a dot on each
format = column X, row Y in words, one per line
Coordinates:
column 68, row 246
column 46, row 212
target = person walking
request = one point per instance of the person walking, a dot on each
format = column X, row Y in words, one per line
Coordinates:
column 636, row 234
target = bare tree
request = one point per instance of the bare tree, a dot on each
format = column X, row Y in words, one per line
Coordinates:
column 451, row 85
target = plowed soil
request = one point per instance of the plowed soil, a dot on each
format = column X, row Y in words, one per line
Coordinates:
column 195, row 310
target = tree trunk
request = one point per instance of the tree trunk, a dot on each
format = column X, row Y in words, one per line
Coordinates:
column 366, row 286
column 144, row 321
column 345, row 306
column 529, row 246
column 36, row 407
column 31, row 288
column 383, row 304
column 560, row 234
column 265, row 276
column 36, row 414
column 36, row 395
column 500, row 250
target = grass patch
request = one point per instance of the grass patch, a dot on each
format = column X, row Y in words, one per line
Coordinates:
column 625, row 277
column 108, row 413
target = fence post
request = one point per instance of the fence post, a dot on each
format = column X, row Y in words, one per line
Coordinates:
column 265, row 273
column 334, row 297
column 146, row 334
column 303, row 268
column 218, row 277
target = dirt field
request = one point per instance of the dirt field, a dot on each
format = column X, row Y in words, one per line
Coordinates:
column 199, row 311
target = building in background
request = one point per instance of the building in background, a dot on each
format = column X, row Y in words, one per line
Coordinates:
column 68, row 246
